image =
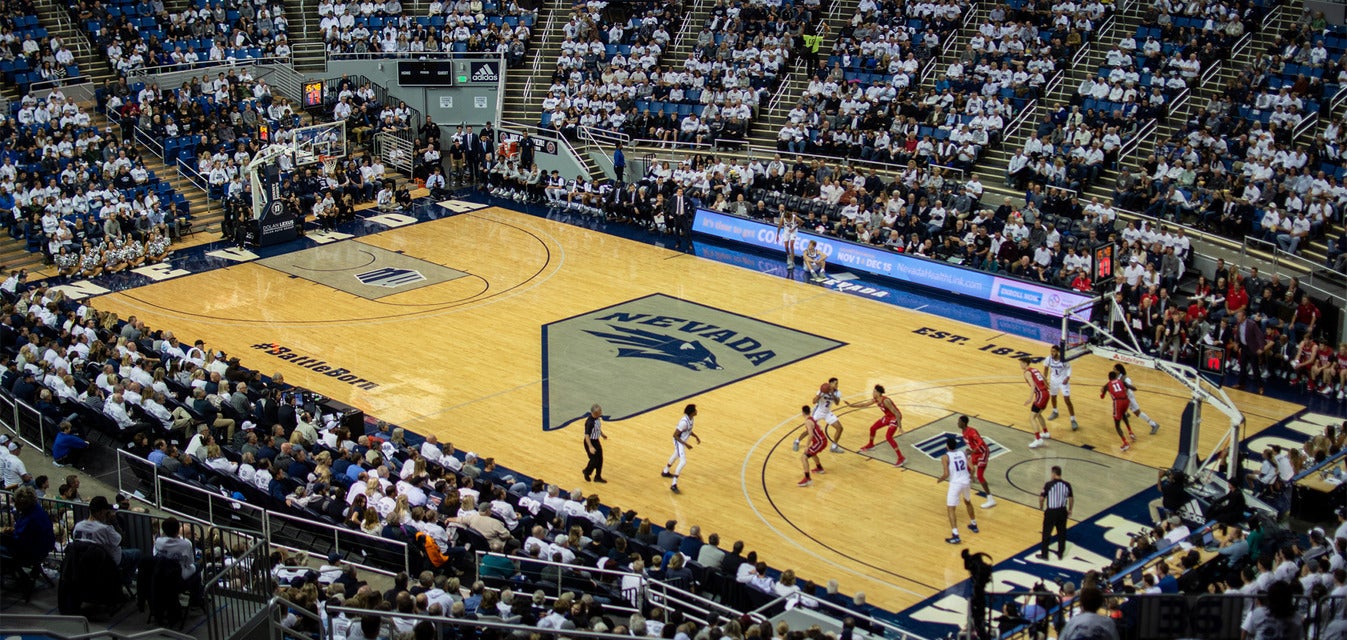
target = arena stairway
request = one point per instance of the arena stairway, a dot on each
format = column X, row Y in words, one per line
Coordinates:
column 60, row 25
column 308, row 51
column 772, row 115
column 524, row 99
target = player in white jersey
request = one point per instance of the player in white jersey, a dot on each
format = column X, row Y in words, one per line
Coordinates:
column 954, row 467
column 1059, row 384
column 824, row 400
column 681, row 446
column 786, row 227
column 1132, row 398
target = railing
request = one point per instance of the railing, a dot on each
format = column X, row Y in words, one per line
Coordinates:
column 1209, row 73
column 1272, row 16
column 26, row 423
column 683, row 28
column 1130, row 146
column 1240, row 45
column 67, row 628
column 444, row 627
column 1051, row 86
column 1314, row 276
column 75, row 40
column 139, row 479
column 1012, row 128
column 397, row 148
column 63, row 83
column 656, row 592
column 538, row 55
column 144, row 74
column 1306, row 126
column 139, row 529
column 1153, row 615
column 597, row 139
column 237, row 595
column 1337, row 100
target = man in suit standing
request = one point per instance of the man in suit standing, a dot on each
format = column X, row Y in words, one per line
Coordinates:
column 265, row 410
column 1251, row 338
column 472, row 146
column 679, row 221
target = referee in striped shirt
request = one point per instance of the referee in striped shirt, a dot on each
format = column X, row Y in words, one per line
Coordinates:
column 594, row 443
column 1056, row 500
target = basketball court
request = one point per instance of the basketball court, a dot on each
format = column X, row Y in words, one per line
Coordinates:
column 496, row 330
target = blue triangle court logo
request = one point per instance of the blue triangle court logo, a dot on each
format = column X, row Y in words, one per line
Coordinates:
column 646, row 353
column 391, row 277
column 934, row 446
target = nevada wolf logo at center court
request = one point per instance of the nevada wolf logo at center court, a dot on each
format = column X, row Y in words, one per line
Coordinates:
column 635, row 343
column 653, row 351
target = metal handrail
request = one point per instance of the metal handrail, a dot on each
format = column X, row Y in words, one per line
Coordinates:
column 80, row 44
column 1338, row 98
column 474, row 623
column 268, row 518
column 1130, row 145
column 144, row 72
column 1305, row 268
column 41, row 85
column 1209, row 73
column 658, row 592
column 1306, row 125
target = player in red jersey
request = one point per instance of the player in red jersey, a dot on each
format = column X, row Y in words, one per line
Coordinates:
column 978, row 455
column 815, row 441
column 1118, row 391
column 893, row 420
column 1038, row 400
column 1342, row 371
column 1323, row 371
column 1300, row 367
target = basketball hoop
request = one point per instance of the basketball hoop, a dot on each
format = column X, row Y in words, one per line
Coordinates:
column 329, row 164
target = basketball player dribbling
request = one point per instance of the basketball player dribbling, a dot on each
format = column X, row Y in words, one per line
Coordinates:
column 786, row 227
column 978, row 455
column 815, row 441
column 827, row 396
column 1059, row 384
column 954, row 467
column 1115, row 389
column 1038, row 400
column 892, row 419
column 1132, row 398
column 681, row 446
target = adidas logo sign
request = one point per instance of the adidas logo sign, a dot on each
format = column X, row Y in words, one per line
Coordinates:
column 485, row 74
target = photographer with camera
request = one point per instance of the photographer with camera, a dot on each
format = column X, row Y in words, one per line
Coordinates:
column 1173, row 485
column 979, row 568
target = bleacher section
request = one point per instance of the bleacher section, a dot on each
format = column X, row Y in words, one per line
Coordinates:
column 69, row 189
column 459, row 27
column 31, row 56
column 134, row 36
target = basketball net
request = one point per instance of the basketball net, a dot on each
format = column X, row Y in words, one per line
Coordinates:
column 329, row 165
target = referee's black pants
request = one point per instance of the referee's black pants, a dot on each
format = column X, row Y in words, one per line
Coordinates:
column 595, row 453
column 1054, row 520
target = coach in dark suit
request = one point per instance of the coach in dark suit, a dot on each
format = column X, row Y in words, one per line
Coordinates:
column 472, row 151
column 266, row 408
column 679, row 219
column 1250, row 337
